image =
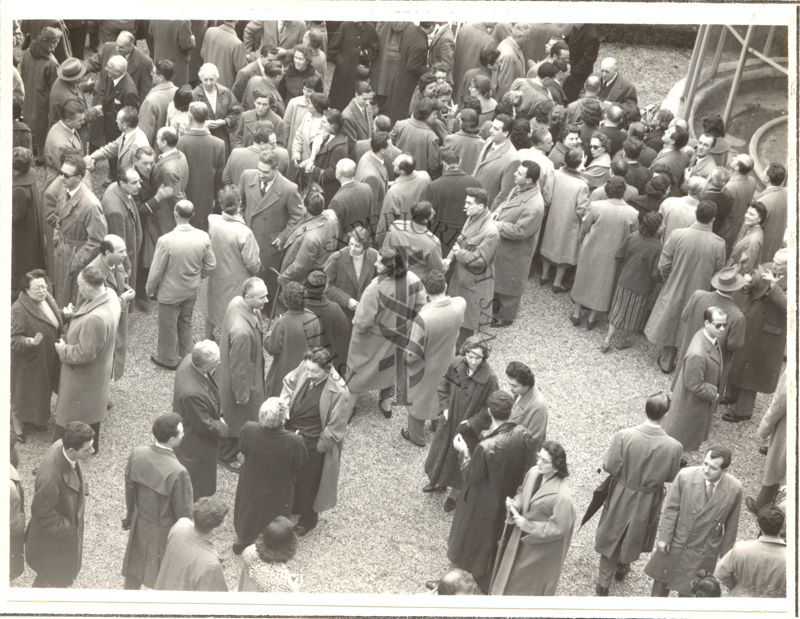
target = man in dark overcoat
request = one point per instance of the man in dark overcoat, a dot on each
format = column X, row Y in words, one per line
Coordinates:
column 140, row 65
column 492, row 473
column 122, row 216
column 196, row 400
column 54, row 545
column 352, row 204
column 115, row 91
column 640, row 460
column 354, row 43
column 273, row 460
column 584, row 44
column 447, row 195
column 173, row 39
column 698, row 525
column 411, row 64
column 471, row 41
column 158, row 491
column 241, row 375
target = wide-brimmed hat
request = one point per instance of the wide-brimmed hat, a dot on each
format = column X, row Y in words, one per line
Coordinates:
column 728, row 280
column 71, row 70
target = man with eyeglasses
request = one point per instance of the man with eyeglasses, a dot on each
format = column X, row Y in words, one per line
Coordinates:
column 641, row 460
column 79, row 226
column 696, row 391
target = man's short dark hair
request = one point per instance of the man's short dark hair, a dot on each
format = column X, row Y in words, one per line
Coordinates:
column 169, row 135
column 450, row 156
column 263, row 134
column 314, row 202
column 506, row 120
column 363, row 87
column 334, row 118
column 479, row 194
column 532, row 170
column 230, row 201
column 557, row 47
column 270, row 158
column 314, row 82
column 705, row 212
column 500, row 404
column 619, row 167
column 144, row 150
column 657, row 405
column 76, row 435
column 546, row 69
column 435, row 282
column 165, row 68
column 208, row 513
column 407, row 164
column 71, row 109
column 770, row 520
column 76, row 161
column 521, row 373
column 488, row 56
column 632, row 147
column 165, row 426
column 680, row 137
column 573, row 158
column 92, row 276
column 421, row 212
column 719, row 452
column 379, row 141
column 776, row 173
column 423, row 109
column 615, row 187
column 130, row 116
column 320, row 355
column 198, row 111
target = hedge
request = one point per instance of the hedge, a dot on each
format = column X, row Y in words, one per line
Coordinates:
column 680, row 36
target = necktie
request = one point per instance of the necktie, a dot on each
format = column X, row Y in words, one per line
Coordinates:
column 709, row 492
column 263, row 188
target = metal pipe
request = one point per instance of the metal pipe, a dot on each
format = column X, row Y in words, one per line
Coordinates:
column 696, row 78
column 770, row 38
column 718, row 54
column 737, row 77
column 692, row 61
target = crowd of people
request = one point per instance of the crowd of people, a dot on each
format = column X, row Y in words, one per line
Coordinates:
column 367, row 232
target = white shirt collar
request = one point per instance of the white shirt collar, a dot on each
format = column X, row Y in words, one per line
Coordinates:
column 72, row 462
column 118, row 80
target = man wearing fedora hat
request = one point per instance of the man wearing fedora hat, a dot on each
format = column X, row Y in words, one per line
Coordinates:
column 69, row 87
column 725, row 283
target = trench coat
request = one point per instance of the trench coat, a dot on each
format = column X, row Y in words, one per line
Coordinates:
column 518, row 221
column 334, row 329
column 755, row 568
column 447, row 195
column 689, row 259
column 412, row 62
column 34, row 369
column 696, row 391
column 344, row 284
column 27, row 239
column 640, row 460
column 60, row 139
column 273, row 460
column 746, row 251
column 416, row 138
column 405, row 192
column 510, row 66
column 222, row 47
column 353, row 43
column 464, row 397
column 79, row 228
column 292, row 334
column 205, row 158
column 569, row 205
column 773, row 428
column 335, row 406
column 38, row 70
column 116, row 280
column 241, row 371
column 431, row 348
column 237, row 254
column 472, row 39
column 494, row 472
column 172, row 38
column 122, row 219
column 87, row 362
column 756, row 366
column 775, row 200
column 372, row 172
column 530, row 411
column 604, row 228
column 196, row 399
column 741, row 188
column 473, row 269
column 158, row 491
column 494, row 169
column 227, row 109
column 153, row 112
column 530, row 561
column 386, row 61
column 697, row 532
column 54, row 544
column 381, row 328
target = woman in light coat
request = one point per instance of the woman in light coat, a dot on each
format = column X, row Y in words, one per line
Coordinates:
column 598, row 171
column 538, row 530
column 746, row 252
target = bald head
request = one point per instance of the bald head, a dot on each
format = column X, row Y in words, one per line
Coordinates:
column 205, row 355
column 184, row 210
column 116, row 66
column 345, row 169
column 592, row 85
column 743, row 164
column 125, row 43
column 695, row 186
column 614, row 114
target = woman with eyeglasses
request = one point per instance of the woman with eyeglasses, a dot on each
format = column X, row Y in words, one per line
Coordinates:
column 538, row 529
column 598, row 171
column 463, row 394
column 36, row 325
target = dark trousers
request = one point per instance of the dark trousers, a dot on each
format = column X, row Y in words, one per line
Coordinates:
column 308, row 484
column 766, row 495
column 59, row 582
column 58, row 432
column 175, row 330
column 660, row 589
column 228, row 448
column 132, row 583
column 506, row 306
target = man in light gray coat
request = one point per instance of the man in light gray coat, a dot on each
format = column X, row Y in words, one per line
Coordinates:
column 181, row 259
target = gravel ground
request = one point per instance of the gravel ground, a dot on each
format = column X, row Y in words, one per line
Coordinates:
column 385, row 535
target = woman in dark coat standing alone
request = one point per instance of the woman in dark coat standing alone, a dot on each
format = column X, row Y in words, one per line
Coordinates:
column 273, row 459
column 354, row 43
column 463, row 394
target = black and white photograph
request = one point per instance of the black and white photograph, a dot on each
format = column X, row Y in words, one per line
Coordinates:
column 316, row 317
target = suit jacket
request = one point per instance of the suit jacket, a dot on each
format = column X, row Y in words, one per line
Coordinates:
column 122, row 219
column 335, row 406
column 697, row 531
column 510, row 66
column 140, row 67
column 494, row 170
column 352, row 205
column 249, row 123
column 196, row 399
column 241, row 159
column 357, row 124
column 172, row 38
column 59, row 140
column 241, row 372
column 307, row 247
column 153, row 113
column 171, row 170
column 54, row 546
column 619, row 91
column 227, row 109
column 112, row 98
column 259, row 33
column 222, row 47
column 182, row 258
column 205, row 156
column 442, row 49
column 343, row 284
column 373, row 172
column 530, row 411
column 123, row 149
column 418, row 139
column 447, row 194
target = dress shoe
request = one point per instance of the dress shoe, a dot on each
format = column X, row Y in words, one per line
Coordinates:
column 731, row 418
column 543, row 281
column 601, row 591
column 750, row 504
column 232, row 465
column 621, row 572
column 404, row 433
column 763, row 450
column 590, row 324
column 433, row 488
column 667, row 369
column 109, row 405
column 623, row 344
column 155, row 360
column 575, row 320
column 301, row 529
column 142, row 305
column 559, row 289
column 387, row 412
column 238, row 548
column 605, row 347
column 431, row 584
column 449, row 504
column 499, row 324
column 21, row 438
